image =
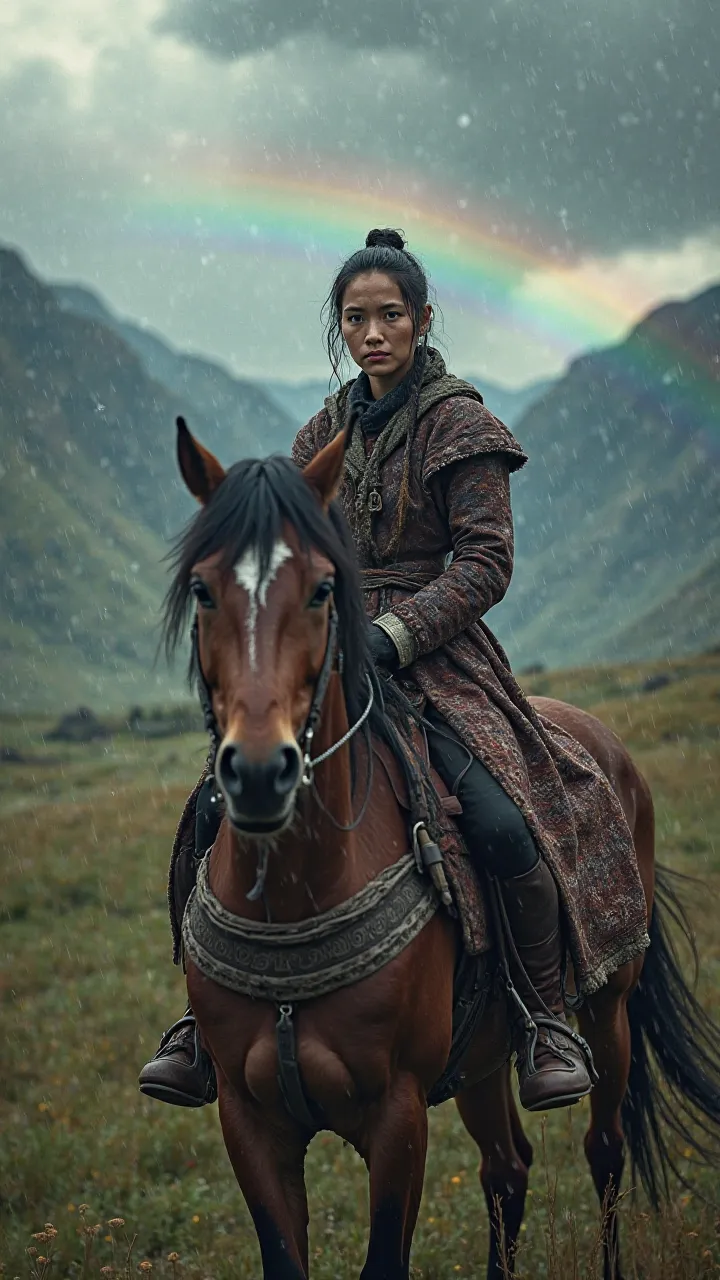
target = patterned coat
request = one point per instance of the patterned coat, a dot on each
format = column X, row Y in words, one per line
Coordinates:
column 454, row 562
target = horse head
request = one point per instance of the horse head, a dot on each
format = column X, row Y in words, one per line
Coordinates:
column 270, row 567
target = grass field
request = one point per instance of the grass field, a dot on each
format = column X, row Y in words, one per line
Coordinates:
column 86, row 987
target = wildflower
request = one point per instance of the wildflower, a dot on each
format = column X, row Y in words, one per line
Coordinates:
column 71, row 1208
column 106, row 1271
column 116, row 1222
column 456, row 1180
column 43, row 1106
column 196, row 1217
column 145, row 1266
column 173, row 1257
column 32, row 1251
column 41, row 1261
column 83, row 1208
column 50, row 1229
column 42, row 1236
column 107, row 1239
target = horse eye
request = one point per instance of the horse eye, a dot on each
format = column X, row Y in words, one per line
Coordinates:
column 202, row 594
column 322, row 593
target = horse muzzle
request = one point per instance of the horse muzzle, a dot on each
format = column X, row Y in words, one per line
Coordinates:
column 259, row 794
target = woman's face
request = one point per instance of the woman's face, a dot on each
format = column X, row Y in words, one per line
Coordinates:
column 378, row 329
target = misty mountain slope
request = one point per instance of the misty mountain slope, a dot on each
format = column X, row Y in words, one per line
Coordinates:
column 617, row 510
column 89, row 496
column 304, row 399
column 239, row 418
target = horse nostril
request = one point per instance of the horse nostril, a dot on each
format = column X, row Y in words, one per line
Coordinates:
column 230, row 770
column 287, row 760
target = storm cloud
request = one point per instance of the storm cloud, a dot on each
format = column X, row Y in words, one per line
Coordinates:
column 598, row 122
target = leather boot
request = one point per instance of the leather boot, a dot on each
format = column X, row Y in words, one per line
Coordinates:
column 554, row 1064
column 181, row 1072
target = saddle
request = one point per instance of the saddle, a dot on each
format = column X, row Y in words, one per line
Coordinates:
column 465, row 889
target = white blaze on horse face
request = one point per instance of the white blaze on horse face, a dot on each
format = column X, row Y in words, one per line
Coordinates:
column 247, row 575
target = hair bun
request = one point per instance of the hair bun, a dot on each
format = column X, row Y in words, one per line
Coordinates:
column 385, row 236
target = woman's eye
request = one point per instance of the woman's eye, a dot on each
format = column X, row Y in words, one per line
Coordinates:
column 202, row 594
column 392, row 315
column 322, row 593
column 356, row 319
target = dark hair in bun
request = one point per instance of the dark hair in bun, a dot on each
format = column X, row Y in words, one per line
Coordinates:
column 385, row 252
column 385, row 236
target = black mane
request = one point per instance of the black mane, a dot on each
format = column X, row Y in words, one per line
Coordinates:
column 248, row 510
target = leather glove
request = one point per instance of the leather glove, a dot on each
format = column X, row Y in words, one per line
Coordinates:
column 382, row 650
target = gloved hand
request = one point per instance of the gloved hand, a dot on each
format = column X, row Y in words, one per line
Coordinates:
column 382, row 650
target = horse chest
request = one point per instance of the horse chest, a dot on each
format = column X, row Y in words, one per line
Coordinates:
column 335, row 1078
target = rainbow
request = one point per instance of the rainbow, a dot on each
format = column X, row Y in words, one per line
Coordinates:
column 476, row 264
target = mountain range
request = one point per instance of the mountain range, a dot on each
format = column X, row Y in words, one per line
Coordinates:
column 618, row 511
column 617, row 514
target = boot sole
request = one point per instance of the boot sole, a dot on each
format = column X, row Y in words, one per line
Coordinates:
column 554, row 1104
column 162, row 1093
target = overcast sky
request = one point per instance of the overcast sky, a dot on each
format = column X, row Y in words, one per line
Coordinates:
column 203, row 163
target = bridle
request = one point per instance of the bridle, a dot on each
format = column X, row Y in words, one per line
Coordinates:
column 332, row 661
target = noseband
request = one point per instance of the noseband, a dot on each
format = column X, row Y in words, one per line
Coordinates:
column 332, row 661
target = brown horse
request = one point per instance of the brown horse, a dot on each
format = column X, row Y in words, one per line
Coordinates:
column 270, row 565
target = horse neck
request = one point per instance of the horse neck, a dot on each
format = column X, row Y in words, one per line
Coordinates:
column 312, row 866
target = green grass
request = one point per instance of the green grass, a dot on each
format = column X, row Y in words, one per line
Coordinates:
column 86, row 987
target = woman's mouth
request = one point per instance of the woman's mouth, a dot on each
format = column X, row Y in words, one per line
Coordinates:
column 376, row 356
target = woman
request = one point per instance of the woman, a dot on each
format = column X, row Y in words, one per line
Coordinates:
column 427, row 494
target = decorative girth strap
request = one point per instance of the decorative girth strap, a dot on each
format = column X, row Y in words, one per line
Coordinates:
column 286, row 963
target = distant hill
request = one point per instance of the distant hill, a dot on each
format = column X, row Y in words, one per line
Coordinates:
column 89, row 491
column 303, row 399
column 618, row 510
column 241, row 417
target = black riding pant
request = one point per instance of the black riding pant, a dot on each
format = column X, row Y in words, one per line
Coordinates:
column 493, row 827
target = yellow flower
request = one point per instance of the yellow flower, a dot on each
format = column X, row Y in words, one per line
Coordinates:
column 71, row 1208
column 196, row 1217
column 107, row 1239
column 456, row 1182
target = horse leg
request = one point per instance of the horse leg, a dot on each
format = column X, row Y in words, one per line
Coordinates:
column 490, row 1116
column 269, row 1166
column 604, row 1023
column 395, row 1155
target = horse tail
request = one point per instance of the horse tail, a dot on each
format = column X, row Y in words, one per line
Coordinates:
column 673, row 1095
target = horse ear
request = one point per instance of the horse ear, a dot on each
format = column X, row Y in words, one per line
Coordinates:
column 324, row 473
column 200, row 469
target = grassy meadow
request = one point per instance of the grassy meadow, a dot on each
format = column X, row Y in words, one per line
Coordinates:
column 87, row 986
